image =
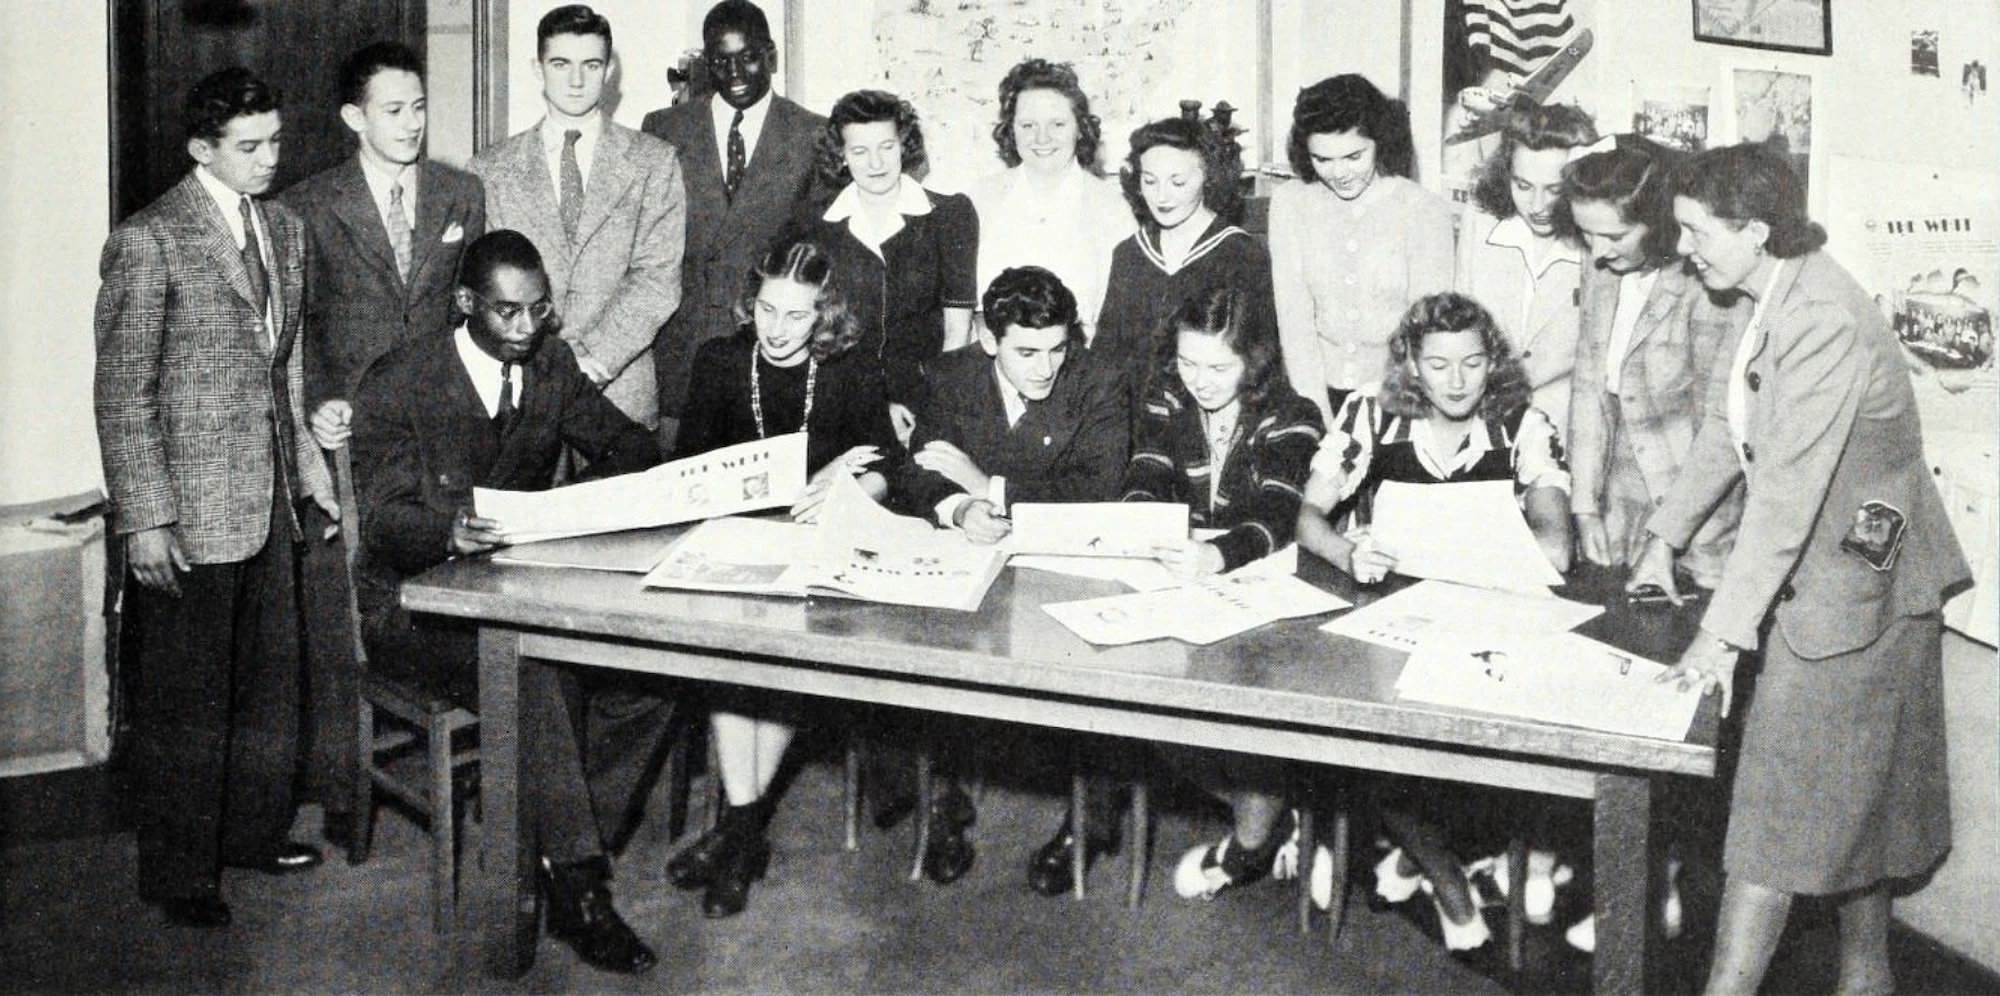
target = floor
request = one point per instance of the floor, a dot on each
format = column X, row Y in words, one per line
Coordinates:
column 825, row 921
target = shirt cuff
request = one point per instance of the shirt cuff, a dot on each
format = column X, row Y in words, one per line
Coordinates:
column 996, row 492
column 949, row 507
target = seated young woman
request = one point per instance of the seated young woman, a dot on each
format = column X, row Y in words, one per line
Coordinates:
column 1452, row 406
column 791, row 366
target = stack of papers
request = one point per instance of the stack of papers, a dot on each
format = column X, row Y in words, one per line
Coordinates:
column 1203, row 612
column 1551, row 678
column 763, row 473
column 1469, row 532
column 1096, row 529
column 1146, row 574
column 596, row 552
column 1406, row 619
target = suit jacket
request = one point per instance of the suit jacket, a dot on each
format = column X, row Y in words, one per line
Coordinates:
column 358, row 307
column 1539, row 316
column 621, row 279
column 725, row 238
column 1072, row 446
column 186, row 405
column 423, row 441
column 1832, row 424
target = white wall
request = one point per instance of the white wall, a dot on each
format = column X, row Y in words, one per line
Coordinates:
column 448, row 80
column 55, row 157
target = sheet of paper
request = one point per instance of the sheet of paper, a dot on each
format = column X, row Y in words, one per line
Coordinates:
column 736, row 555
column 1147, row 574
column 1204, row 612
column 1096, row 529
column 1402, row 620
column 849, row 518
column 763, row 473
column 622, row 552
column 948, row 576
column 1548, row 677
column 1470, row 532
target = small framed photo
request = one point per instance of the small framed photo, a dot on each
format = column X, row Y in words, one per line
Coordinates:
column 1804, row 26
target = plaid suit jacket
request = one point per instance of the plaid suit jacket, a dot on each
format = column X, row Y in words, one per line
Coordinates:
column 184, row 401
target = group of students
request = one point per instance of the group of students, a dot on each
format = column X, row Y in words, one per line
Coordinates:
column 1608, row 328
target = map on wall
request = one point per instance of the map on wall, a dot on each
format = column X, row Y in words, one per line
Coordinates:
column 947, row 57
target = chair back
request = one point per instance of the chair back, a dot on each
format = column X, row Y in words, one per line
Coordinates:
column 350, row 541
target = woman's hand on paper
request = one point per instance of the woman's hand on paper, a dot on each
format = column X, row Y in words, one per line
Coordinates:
column 981, row 523
column 1709, row 664
column 1372, row 562
column 472, row 534
column 1190, row 558
column 853, row 463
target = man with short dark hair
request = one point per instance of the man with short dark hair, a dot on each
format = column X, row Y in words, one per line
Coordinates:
column 207, row 458
column 491, row 404
column 747, row 155
column 387, row 228
column 602, row 202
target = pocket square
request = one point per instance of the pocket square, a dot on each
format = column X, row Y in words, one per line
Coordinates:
column 456, row 233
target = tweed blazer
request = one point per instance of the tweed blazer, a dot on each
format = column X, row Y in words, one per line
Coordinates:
column 183, row 384
column 621, row 279
column 1832, row 424
column 357, row 306
column 725, row 237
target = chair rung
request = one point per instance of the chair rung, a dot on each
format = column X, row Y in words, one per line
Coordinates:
column 393, row 740
column 420, row 800
column 461, row 758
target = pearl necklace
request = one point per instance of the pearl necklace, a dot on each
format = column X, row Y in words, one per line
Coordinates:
column 757, row 392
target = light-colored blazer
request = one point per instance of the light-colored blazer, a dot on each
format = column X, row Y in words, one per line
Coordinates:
column 621, row 279
column 1536, row 311
column 1832, row 424
column 185, row 405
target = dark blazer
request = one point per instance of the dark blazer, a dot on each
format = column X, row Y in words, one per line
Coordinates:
column 423, row 441
column 1071, row 446
column 185, row 398
column 726, row 238
column 1832, row 424
column 359, row 307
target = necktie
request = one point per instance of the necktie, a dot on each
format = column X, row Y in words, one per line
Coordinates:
column 503, row 415
column 733, row 178
column 572, row 185
column 399, row 230
column 253, row 260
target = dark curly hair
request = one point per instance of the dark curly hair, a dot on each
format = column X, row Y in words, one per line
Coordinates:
column 1536, row 127
column 1030, row 297
column 1749, row 182
column 836, row 330
column 1221, row 164
column 1403, row 391
column 1060, row 77
column 222, row 97
column 869, row 107
column 1224, row 311
column 1637, row 179
column 370, row 60
column 1349, row 102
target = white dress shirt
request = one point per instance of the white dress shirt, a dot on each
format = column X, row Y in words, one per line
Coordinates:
column 752, row 128
column 381, row 186
column 1633, row 291
column 229, row 201
column 586, row 146
column 486, row 372
column 871, row 232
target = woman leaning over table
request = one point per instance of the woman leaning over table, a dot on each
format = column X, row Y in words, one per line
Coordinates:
column 1222, row 431
column 1052, row 206
column 903, row 256
column 1519, row 255
column 1452, row 407
column 1840, row 565
column 790, row 367
column 1354, row 241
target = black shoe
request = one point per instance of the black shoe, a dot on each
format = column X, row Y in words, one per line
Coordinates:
column 201, row 912
column 580, row 915
column 290, row 858
column 893, row 811
column 742, row 862
column 694, row 867
column 950, row 854
column 1049, row 871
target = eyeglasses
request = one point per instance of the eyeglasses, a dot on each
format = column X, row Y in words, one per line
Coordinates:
column 507, row 311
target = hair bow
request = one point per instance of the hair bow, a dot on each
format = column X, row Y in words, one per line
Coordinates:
column 1608, row 143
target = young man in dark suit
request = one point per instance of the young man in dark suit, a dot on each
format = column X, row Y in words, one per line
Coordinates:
column 747, row 156
column 387, row 228
column 207, row 458
column 1026, row 416
column 491, row 404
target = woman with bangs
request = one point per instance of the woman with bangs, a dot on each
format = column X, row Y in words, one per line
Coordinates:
column 792, row 366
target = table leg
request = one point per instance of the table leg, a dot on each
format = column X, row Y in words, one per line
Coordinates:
column 1623, row 815
column 503, row 893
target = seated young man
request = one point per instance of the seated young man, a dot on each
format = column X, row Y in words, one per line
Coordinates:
column 1026, row 417
column 490, row 404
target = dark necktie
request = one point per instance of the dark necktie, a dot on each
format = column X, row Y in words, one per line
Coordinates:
column 398, row 222
column 733, row 178
column 503, row 414
column 572, row 185
column 253, row 260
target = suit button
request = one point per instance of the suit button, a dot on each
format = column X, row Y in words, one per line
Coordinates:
column 1749, row 455
column 1754, row 380
column 1786, row 592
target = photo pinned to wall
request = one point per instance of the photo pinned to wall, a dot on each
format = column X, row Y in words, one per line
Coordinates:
column 1674, row 116
column 1497, row 52
column 1773, row 107
column 1804, row 26
column 1972, row 81
column 1924, row 52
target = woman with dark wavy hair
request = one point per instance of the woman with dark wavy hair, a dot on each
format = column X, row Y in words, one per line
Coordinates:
column 791, row 367
column 1052, row 206
column 904, row 257
column 1452, row 407
column 1354, row 240
column 1180, row 180
column 1518, row 253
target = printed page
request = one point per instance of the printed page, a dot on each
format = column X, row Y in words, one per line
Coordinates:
column 629, row 552
column 1147, row 574
column 1402, row 620
column 1210, row 610
column 1471, row 532
column 1096, row 529
column 1549, row 677
column 736, row 555
column 763, row 473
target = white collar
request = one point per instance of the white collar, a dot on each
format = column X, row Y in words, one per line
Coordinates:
column 226, row 199
column 552, row 130
column 485, row 370
column 721, row 113
column 910, row 200
column 1011, row 399
column 1513, row 233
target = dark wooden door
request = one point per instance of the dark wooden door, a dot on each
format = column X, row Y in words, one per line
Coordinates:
column 161, row 47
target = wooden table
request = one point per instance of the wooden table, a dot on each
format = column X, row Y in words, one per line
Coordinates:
column 1287, row 691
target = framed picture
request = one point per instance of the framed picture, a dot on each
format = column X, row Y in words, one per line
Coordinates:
column 1784, row 25
column 1773, row 103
